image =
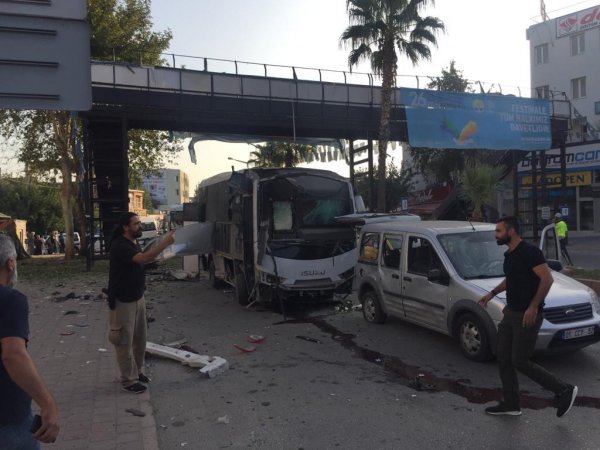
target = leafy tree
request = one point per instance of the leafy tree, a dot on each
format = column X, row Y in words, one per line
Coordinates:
column 37, row 202
column 378, row 31
column 120, row 30
column 281, row 154
column 452, row 80
column 397, row 185
column 478, row 184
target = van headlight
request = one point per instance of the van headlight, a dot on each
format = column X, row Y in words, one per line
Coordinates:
column 595, row 301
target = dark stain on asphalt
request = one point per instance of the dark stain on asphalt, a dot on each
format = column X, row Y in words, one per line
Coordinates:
column 415, row 377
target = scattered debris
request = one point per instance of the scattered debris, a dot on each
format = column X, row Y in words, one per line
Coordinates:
column 80, row 325
column 176, row 344
column 245, row 349
column 71, row 295
column 67, row 333
column 224, row 419
column 418, row 384
column 135, row 412
column 68, row 313
column 255, row 338
column 211, row 366
column 101, row 349
column 179, row 274
column 309, row 339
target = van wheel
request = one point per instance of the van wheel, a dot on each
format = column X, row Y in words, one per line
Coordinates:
column 241, row 289
column 473, row 338
column 371, row 308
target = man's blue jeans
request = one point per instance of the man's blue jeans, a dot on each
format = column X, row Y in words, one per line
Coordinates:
column 17, row 436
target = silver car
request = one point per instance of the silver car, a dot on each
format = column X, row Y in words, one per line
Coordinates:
column 432, row 273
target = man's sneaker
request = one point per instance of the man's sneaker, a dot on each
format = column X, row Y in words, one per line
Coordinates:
column 502, row 410
column 565, row 400
column 143, row 378
column 135, row 388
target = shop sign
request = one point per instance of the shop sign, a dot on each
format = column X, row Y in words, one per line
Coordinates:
column 554, row 180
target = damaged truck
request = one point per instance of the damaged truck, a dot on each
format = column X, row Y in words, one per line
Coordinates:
column 275, row 235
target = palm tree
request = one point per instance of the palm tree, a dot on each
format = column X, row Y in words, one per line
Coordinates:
column 281, row 154
column 478, row 184
column 378, row 31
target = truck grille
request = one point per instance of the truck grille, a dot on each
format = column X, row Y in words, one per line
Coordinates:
column 566, row 314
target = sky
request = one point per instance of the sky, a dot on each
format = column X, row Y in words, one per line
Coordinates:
column 486, row 38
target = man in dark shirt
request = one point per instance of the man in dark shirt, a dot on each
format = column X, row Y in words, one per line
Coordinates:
column 528, row 280
column 126, row 286
column 19, row 379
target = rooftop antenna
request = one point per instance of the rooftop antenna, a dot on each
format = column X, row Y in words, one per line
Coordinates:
column 543, row 12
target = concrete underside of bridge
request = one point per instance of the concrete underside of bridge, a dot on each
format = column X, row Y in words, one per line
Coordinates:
column 117, row 110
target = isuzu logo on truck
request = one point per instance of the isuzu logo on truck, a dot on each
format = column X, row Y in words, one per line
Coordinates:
column 311, row 273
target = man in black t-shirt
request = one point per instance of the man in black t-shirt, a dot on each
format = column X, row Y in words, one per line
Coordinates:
column 126, row 286
column 528, row 281
column 19, row 379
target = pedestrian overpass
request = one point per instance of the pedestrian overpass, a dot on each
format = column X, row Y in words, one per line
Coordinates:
column 127, row 96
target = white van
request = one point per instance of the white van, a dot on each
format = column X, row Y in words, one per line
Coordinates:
column 149, row 230
column 432, row 273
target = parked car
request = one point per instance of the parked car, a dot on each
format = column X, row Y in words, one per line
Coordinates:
column 149, row 230
column 76, row 240
column 432, row 273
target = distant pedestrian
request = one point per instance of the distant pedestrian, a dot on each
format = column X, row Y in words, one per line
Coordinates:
column 562, row 232
column 126, row 286
column 527, row 282
column 39, row 244
column 19, row 379
column 31, row 242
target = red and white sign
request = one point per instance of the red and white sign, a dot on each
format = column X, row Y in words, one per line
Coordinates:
column 579, row 21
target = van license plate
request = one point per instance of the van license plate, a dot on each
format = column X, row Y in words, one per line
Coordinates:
column 577, row 333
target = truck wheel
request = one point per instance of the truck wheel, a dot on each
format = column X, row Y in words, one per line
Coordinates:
column 241, row 290
column 473, row 338
column 212, row 279
column 371, row 308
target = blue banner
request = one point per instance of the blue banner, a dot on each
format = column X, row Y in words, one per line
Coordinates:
column 439, row 119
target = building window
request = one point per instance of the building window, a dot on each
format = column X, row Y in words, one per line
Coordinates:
column 541, row 54
column 596, row 176
column 177, row 178
column 543, row 91
column 578, row 87
column 597, row 107
column 176, row 191
column 577, row 44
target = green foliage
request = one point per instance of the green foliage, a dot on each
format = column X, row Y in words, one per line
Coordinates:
column 452, row 80
column 380, row 30
column 281, row 154
column 478, row 184
column 122, row 30
column 397, row 185
column 38, row 203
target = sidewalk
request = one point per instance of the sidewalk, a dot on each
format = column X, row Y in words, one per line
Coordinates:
column 80, row 371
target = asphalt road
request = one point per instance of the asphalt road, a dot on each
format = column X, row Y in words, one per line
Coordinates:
column 584, row 251
column 352, row 389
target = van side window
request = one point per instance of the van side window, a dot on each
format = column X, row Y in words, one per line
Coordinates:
column 369, row 247
column 392, row 248
column 422, row 257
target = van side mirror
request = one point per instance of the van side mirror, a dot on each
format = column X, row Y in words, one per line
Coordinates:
column 554, row 264
column 436, row 276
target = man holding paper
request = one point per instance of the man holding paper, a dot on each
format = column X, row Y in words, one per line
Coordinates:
column 126, row 286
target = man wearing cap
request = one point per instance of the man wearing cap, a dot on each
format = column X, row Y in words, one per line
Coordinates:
column 562, row 231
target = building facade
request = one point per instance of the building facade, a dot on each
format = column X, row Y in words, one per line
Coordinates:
column 168, row 187
column 565, row 65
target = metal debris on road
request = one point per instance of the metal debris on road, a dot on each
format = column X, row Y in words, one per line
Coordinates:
column 245, row 349
column 309, row 339
column 211, row 366
column 135, row 412
column 255, row 338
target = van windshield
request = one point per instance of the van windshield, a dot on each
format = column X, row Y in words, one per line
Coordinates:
column 148, row 226
column 474, row 254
